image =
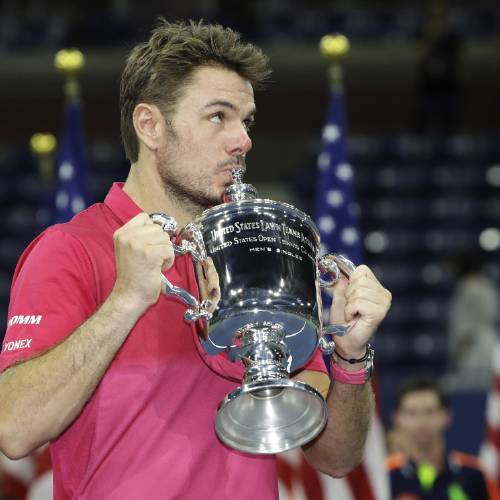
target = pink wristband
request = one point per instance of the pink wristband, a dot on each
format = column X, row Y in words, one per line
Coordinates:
column 345, row 377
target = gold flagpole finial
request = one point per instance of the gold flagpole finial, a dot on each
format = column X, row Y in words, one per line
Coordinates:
column 334, row 47
column 70, row 62
column 44, row 147
column 43, row 144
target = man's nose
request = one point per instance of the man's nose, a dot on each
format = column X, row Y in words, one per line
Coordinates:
column 240, row 143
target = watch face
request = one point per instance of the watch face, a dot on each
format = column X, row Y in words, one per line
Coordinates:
column 369, row 362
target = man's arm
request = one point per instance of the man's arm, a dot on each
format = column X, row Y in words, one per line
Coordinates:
column 42, row 396
column 339, row 448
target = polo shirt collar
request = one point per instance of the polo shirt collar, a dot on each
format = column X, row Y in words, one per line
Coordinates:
column 121, row 204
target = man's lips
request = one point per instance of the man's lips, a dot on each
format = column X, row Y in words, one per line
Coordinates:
column 228, row 172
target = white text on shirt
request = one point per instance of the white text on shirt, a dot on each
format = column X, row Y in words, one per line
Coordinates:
column 17, row 344
column 25, row 320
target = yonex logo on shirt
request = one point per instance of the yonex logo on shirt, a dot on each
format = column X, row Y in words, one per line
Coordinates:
column 25, row 320
column 18, row 344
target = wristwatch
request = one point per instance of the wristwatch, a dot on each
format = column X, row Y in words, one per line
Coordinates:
column 358, row 377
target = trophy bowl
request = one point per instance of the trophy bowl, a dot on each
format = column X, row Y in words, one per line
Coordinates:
column 260, row 277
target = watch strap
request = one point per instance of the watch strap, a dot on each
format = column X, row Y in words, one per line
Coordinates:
column 356, row 377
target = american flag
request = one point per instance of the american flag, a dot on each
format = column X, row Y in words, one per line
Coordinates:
column 336, row 212
column 490, row 450
column 71, row 194
column 337, row 217
column 31, row 477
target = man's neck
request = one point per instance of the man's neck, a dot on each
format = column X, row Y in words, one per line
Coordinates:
column 145, row 187
column 435, row 454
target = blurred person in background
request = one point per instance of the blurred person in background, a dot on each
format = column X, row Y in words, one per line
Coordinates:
column 105, row 367
column 438, row 84
column 420, row 465
column 472, row 325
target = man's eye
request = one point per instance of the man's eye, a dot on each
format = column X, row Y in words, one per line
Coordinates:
column 248, row 124
column 217, row 118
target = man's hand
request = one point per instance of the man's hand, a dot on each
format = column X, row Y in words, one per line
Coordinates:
column 142, row 251
column 208, row 282
column 362, row 302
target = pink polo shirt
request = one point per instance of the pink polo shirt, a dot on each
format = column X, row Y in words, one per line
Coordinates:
column 147, row 432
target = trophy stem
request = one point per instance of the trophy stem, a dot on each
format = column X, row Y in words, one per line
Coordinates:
column 264, row 352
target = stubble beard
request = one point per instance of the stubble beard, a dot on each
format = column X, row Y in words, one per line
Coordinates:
column 191, row 193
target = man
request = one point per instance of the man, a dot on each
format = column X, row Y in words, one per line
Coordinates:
column 108, row 370
column 421, row 467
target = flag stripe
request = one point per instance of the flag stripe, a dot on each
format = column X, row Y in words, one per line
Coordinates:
column 336, row 215
column 490, row 449
column 360, row 484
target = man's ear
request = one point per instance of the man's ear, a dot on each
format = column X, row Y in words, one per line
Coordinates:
column 148, row 124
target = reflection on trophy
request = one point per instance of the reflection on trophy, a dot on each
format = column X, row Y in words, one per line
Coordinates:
column 260, row 277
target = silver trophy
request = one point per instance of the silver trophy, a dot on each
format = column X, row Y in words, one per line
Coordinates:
column 260, row 277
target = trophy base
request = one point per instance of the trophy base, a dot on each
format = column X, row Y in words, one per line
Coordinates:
column 268, row 417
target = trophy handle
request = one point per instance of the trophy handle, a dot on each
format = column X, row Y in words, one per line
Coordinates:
column 333, row 265
column 196, row 310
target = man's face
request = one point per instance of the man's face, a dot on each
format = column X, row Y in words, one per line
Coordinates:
column 206, row 137
column 420, row 419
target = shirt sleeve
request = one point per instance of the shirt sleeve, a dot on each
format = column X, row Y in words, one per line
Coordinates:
column 53, row 292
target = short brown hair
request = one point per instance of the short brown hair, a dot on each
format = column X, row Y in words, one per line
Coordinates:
column 418, row 385
column 157, row 70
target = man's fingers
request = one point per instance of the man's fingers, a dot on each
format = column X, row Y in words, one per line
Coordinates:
column 148, row 234
column 363, row 272
column 212, row 278
column 141, row 219
column 165, row 254
column 375, row 295
column 368, row 289
column 139, row 222
column 370, row 311
column 361, row 296
column 339, row 289
column 143, row 237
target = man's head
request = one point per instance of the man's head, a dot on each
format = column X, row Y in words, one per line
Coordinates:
column 159, row 70
column 421, row 415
